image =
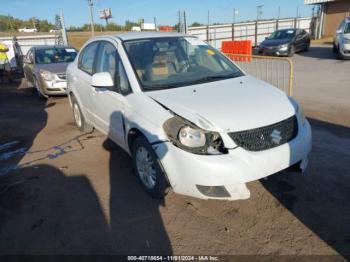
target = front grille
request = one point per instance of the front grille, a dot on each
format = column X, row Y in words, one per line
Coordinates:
column 267, row 137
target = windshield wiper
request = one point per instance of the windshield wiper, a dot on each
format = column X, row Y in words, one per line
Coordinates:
column 160, row 86
column 214, row 78
column 187, row 83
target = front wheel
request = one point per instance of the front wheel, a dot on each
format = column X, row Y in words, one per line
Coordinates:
column 148, row 168
column 37, row 88
column 291, row 51
column 335, row 49
column 307, row 47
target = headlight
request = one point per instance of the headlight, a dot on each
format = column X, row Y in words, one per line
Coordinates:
column 191, row 138
column 47, row 75
column 283, row 47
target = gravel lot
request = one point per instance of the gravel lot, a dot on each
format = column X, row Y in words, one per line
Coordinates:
column 63, row 192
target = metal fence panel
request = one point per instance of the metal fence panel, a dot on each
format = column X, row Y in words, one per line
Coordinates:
column 277, row 71
column 26, row 42
column 256, row 32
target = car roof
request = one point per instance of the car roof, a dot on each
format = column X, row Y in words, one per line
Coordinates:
column 143, row 35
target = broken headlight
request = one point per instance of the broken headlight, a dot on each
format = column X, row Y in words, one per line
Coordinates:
column 191, row 138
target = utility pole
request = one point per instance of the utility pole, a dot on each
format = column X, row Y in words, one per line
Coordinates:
column 208, row 21
column 259, row 12
column 234, row 15
column 155, row 23
column 91, row 4
column 185, row 23
column 258, row 17
column 297, row 11
column 208, row 18
column 278, row 17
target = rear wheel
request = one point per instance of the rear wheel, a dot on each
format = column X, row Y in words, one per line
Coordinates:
column 79, row 117
column 148, row 168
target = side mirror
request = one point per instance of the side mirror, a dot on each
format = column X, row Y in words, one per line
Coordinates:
column 102, row 80
column 339, row 31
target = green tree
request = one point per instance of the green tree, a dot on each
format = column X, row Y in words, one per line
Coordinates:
column 196, row 24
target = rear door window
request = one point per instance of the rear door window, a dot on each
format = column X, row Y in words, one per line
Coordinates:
column 87, row 58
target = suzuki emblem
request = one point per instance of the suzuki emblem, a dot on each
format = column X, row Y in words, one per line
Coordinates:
column 276, row 136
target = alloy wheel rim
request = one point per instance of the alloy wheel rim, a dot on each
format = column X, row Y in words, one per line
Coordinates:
column 145, row 167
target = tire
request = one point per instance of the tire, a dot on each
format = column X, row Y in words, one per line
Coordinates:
column 27, row 83
column 78, row 116
column 36, row 86
column 307, row 48
column 335, row 49
column 291, row 51
column 148, row 168
column 341, row 56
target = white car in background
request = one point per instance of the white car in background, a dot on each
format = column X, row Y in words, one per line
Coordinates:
column 341, row 44
column 27, row 30
column 187, row 115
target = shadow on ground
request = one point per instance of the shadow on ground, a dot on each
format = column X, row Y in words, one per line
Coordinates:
column 44, row 211
column 320, row 197
column 320, row 52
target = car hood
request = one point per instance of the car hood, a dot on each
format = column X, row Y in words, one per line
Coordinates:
column 276, row 42
column 230, row 105
column 56, row 68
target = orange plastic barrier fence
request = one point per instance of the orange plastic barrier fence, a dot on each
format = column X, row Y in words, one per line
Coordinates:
column 243, row 47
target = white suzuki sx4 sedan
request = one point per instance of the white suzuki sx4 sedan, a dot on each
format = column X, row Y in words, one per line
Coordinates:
column 188, row 116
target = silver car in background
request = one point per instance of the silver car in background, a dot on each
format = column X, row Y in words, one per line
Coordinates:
column 45, row 69
column 341, row 44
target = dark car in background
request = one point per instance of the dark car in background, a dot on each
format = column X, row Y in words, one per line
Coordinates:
column 285, row 42
column 45, row 68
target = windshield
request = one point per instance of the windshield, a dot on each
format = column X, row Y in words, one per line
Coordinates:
column 162, row 63
column 55, row 55
column 282, row 34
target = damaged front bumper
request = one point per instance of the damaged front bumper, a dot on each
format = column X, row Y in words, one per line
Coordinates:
column 225, row 176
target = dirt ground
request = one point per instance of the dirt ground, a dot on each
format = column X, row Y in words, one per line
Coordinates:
column 63, row 192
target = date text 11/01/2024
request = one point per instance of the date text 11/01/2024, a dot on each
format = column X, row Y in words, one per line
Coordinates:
column 173, row 258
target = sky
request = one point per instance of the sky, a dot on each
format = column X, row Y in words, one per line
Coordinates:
column 221, row 11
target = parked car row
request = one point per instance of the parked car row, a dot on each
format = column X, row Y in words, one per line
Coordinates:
column 285, row 42
column 45, row 68
column 341, row 44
